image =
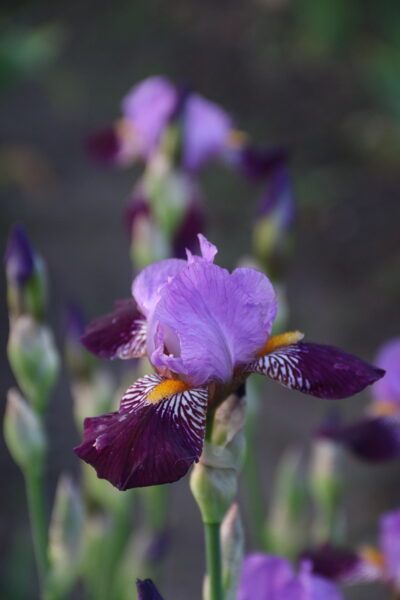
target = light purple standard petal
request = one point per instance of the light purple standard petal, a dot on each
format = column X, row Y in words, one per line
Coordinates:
column 306, row 586
column 149, row 105
column 207, row 321
column 263, row 577
column 146, row 286
column 371, row 439
column 120, row 334
column 206, row 131
column 154, row 438
column 147, row 590
column 318, row 370
column 388, row 388
column 390, row 546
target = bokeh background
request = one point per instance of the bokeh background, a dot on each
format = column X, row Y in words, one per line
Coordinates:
column 320, row 78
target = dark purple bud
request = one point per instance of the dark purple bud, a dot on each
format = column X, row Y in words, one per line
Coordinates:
column 120, row 334
column 157, row 547
column 147, row 590
column 186, row 237
column 339, row 564
column 103, row 146
column 259, row 163
column 19, row 257
column 372, row 439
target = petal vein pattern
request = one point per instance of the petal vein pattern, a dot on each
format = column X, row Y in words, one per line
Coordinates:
column 147, row 442
column 316, row 369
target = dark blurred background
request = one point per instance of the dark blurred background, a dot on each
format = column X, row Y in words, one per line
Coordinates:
column 321, row 78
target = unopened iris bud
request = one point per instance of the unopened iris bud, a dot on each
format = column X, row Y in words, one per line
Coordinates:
column 286, row 524
column 26, row 276
column 272, row 230
column 65, row 538
column 232, row 544
column 92, row 397
column 34, row 359
column 24, row 434
column 169, row 194
column 213, row 479
column 327, row 489
column 79, row 361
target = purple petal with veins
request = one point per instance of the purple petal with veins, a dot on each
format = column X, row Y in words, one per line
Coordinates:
column 147, row 285
column 120, row 334
column 316, row 369
column 150, row 440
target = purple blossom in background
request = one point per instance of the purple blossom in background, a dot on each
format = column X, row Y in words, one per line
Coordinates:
column 376, row 438
column 369, row 564
column 204, row 330
column 266, row 577
column 19, row 257
column 147, row 590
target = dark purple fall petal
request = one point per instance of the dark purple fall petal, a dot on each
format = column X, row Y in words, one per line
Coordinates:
column 372, row 439
column 18, row 258
column 120, row 334
column 103, row 146
column 339, row 564
column 316, row 369
column 259, row 163
column 147, row 442
column 147, row 590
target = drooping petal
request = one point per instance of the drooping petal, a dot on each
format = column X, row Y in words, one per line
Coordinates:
column 219, row 321
column 120, row 334
column 154, row 437
column 147, row 590
column 149, row 105
column 146, row 286
column 340, row 565
column 371, row 439
column 387, row 389
column 316, row 369
column 206, row 131
column 263, row 577
column 390, row 546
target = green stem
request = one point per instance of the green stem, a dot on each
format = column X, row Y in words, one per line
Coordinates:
column 37, row 515
column 214, row 563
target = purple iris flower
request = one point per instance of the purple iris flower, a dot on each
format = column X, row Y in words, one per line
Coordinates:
column 272, row 578
column 19, row 257
column 376, row 438
column 344, row 566
column 204, row 330
column 147, row 590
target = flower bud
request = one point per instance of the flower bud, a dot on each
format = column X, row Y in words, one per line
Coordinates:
column 92, row 397
column 79, row 361
column 65, row 537
column 26, row 276
column 213, row 479
column 24, row 434
column 286, row 523
column 34, row 359
column 327, row 490
column 232, row 545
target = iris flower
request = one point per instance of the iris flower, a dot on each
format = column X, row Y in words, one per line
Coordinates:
column 376, row 437
column 272, row 578
column 204, row 330
column 205, row 131
column 369, row 564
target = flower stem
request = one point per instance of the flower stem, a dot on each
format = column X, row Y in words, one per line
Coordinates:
column 34, row 490
column 214, row 564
